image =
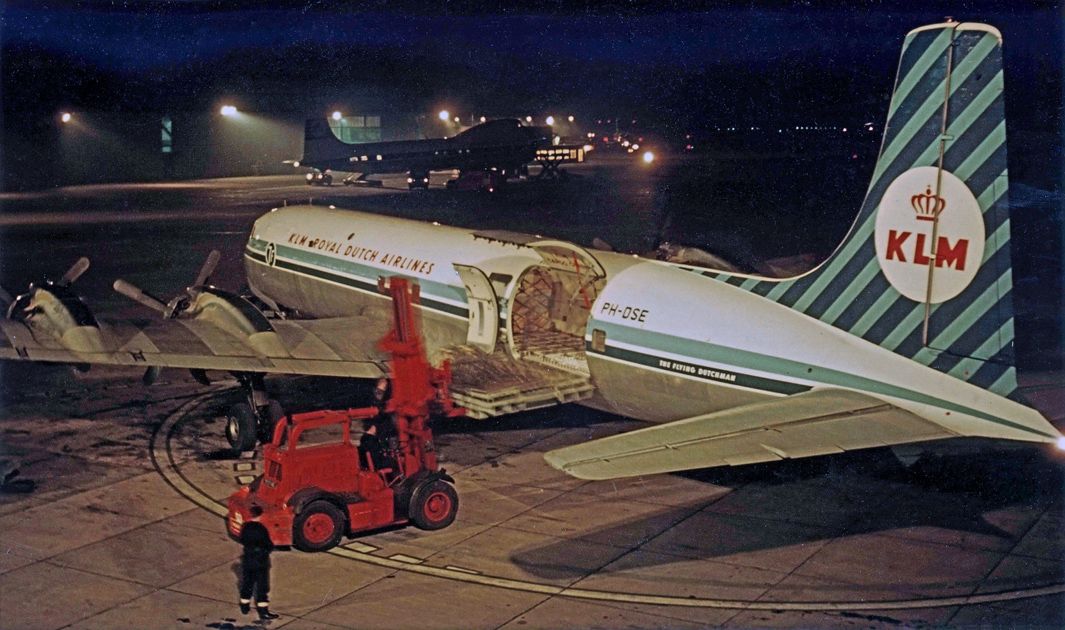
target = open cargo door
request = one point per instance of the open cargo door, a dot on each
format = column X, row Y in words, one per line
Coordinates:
column 484, row 311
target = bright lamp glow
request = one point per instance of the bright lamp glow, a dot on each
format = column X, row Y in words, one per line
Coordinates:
column 1061, row 443
column 528, row 119
column 444, row 115
column 228, row 110
column 65, row 117
column 570, row 119
column 483, row 119
column 550, row 120
column 337, row 115
column 648, row 157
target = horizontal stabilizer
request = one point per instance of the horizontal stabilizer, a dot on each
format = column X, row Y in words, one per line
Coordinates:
column 817, row 422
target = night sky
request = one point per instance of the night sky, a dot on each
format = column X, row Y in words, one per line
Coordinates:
column 663, row 61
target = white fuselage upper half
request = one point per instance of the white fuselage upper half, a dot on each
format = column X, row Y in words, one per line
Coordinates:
column 659, row 342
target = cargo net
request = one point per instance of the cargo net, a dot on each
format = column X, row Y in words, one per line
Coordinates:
column 550, row 311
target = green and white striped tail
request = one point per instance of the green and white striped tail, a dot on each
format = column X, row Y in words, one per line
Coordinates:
column 925, row 269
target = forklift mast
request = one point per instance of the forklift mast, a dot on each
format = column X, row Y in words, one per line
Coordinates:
column 418, row 389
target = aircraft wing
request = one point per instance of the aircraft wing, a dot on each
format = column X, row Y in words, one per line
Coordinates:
column 344, row 346
column 818, row 422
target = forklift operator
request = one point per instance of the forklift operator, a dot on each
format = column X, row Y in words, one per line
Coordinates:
column 373, row 446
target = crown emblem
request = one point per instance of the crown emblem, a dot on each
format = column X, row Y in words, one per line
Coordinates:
column 927, row 206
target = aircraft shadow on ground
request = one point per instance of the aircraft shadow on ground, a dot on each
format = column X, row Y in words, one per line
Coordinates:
column 800, row 502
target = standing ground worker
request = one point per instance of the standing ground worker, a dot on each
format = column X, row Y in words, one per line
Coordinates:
column 255, row 570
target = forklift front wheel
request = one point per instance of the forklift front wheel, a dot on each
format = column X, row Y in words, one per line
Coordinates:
column 318, row 527
column 241, row 427
column 434, row 505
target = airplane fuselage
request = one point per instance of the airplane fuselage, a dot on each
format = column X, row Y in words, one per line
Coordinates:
column 658, row 341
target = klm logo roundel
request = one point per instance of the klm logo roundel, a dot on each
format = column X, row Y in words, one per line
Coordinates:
column 910, row 208
column 271, row 254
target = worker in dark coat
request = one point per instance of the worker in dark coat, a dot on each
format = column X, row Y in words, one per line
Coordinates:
column 373, row 446
column 255, row 570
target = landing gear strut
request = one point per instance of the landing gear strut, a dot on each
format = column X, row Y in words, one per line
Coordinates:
column 253, row 420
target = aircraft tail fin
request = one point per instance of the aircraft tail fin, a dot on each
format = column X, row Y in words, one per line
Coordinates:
column 322, row 149
column 925, row 270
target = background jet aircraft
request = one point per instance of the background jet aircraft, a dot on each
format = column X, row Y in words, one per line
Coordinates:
column 904, row 334
column 502, row 146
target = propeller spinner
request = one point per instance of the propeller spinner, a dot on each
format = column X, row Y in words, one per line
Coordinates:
column 172, row 309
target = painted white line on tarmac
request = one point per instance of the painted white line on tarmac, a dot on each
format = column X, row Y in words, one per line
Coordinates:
column 162, row 457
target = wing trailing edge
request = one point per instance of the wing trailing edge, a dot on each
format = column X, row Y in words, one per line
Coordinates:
column 817, row 422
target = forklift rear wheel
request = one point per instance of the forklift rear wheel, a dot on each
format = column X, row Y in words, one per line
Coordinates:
column 241, row 427
column 434, row 505
column 318, row 527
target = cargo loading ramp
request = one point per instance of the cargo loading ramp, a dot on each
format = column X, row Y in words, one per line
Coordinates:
column 491, row 385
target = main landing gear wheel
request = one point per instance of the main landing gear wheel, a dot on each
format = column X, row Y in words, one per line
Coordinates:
column 242, row 427
column 318, row 527
column 272, row 414
column 433, row 505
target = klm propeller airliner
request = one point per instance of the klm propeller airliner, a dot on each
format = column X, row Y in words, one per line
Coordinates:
column 905, row 334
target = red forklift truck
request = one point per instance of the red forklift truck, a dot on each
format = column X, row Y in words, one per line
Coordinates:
column 316, row 488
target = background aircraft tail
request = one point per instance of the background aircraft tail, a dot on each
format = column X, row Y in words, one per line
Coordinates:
column 321, row 148
column 925, row 269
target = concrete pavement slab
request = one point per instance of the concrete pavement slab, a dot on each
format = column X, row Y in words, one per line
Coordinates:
column 741, row 540
column 604, row 521
column 415, row 602
column 299, row 582
column 900, row 568
column 157, row 554
column 560, row 612
column 526, row 468
column 1046, row 538
column 919, row 618
column 164, row 609
column 43, row 596
column 515, row 554
column 673, row 490
column 1036, row 612
column 490, row 504
column 1021, row 572
column 645, row 572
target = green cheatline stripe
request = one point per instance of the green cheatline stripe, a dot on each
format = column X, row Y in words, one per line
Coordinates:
column 961, row 124
column 972, row 313
column 694, row 370
column 994, row 192
column 982, row 153
column 1007, row 383
column 749, row 283
column 933, row 103
column 431, row 288
column 886, row 300
column 254, row 255
column 825, row 275
column 968, row 318
column 993, row 344
column 701, row 351
column 868, row 272
column 814, row 291
column 934, row 51
column 361, row 285
column 909, row 324
column 857, row 286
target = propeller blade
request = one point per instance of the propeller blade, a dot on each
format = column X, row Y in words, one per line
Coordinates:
column 135, row 294
column 151, row 374
column 75, row 271
column 5, row 298
column 200, row 376
column 208, row 268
